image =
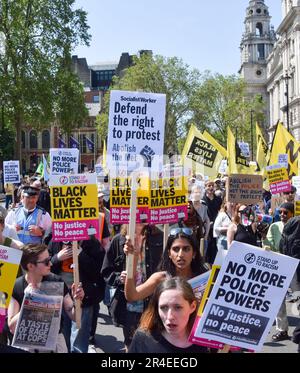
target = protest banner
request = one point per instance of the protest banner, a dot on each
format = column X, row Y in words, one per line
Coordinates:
column 247, row 295
column 120, row 198
column 297, row 208
column 136, row 129
column 64, row 161
column 296, row 183
column 74, row 207
column 283, row 159
column 206, row 158
column 278, row 179
column 9, row 265
column 245, row 189
column 11, row 172
column 168, row 200
column 39, row 322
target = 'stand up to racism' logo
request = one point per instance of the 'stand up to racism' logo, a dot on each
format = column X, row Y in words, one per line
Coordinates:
column 250, row 258
column 63, row 180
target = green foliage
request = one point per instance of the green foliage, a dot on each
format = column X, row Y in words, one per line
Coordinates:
column 221, row 102
column 36, row 83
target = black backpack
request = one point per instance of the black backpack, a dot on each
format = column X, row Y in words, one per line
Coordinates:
column 290, row 241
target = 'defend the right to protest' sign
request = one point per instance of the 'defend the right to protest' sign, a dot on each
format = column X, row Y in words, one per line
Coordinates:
column 74, row 207
column 64, row 161
column 11, row 172
column 246, row 297
column 136, row 129
column 245, row 189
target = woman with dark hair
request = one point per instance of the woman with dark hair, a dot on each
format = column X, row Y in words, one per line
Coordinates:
column 167, row 322
column 181, row 257
column 149, row 240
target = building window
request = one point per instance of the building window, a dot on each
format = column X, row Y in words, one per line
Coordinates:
column 45, row 139
column 23, row 139
column 96, row 99
column 259, row 29
column 258, row 72
column 33, row 143
column 261, row 51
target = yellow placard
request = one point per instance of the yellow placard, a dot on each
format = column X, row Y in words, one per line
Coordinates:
column 210, row 284
column 8, row 276
column 74, row 202
column 120, row 192
column 168, row 192
column 277, row 175
column 297, row 208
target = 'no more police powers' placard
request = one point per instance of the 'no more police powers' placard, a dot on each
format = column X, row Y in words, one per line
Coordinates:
column 11, row 170
column 246, row 297
column 136, row 129
column 64, row 161
column 74, row 207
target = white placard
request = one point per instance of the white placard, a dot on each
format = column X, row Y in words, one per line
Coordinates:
column 11, row 170
column 245, row 149
column 136, row 129
column 246, row 297
column 283, row 159
column 64, row 161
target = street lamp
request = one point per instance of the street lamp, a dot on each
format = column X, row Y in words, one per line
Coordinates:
column 287, row 78
column 251, row 123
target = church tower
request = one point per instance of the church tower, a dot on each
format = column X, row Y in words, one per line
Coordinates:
column 256, row 45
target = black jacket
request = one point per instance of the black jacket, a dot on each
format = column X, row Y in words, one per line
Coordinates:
column 115, row 259
column 90, row 262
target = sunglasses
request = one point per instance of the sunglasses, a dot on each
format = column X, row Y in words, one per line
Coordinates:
column 283, row 212
column 185, row 231
column 45, row 261
column 67, row 243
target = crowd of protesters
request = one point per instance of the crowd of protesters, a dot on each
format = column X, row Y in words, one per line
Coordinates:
column 156, row 307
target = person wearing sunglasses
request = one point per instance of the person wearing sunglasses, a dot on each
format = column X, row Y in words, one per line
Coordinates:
column 243, row 227
column 181, row 257
column 272, row 241
column 36, row 264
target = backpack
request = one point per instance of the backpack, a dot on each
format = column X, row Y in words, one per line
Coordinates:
column 290, row 242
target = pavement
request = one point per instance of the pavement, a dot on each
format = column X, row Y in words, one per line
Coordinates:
column 109, row 339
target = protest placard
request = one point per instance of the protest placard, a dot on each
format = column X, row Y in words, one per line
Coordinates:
column 168, row 200
column 11, row 172
column 206, row 158
column 9, row 265
column 136, row 129
column 245, row 189
column 247, row 295
column 278, row 179
column 74, row 207
column 120, row 197
column 39, row 322
column 296, row 183
column 64, row 161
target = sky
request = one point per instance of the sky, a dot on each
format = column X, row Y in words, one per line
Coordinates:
column 205, row 34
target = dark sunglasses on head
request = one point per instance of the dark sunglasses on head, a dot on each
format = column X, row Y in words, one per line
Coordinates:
column 185, row 231
column 67, row 243
column 284, row 212
column 45, row 261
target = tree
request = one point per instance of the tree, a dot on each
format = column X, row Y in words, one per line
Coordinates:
column 221, row 102
column 36, row 83
column 157, row 74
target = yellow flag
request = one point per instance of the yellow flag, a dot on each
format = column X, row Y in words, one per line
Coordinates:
column 262, row 152
column 215, row 143
column 285, row 143
column 205, row 158
column 237, row 163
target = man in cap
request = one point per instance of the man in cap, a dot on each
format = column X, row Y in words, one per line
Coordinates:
column 30, row 221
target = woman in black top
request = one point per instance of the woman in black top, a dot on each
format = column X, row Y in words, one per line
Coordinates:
column 166, row 324
column 243, row 228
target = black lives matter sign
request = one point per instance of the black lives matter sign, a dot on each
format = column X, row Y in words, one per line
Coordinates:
column 202, row 152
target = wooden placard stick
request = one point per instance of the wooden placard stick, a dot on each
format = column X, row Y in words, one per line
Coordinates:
column 166, row 234
column 202, row 247
column 78, row 310
column 224, row 350
column 132, row 223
